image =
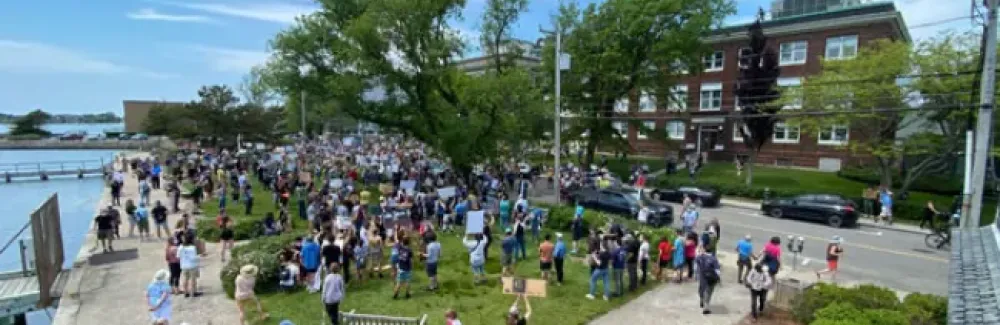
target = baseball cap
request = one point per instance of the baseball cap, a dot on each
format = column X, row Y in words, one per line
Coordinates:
column 559, row 235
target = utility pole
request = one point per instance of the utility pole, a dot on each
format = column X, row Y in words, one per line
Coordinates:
column 557, row 133
column 984, row 121
column 302, row 104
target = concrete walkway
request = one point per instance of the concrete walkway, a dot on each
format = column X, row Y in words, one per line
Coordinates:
column 114, row 293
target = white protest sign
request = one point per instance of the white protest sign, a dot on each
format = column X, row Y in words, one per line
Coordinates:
column 446, row 192
column 475, row 222
column 409, row 186
column 336, row 183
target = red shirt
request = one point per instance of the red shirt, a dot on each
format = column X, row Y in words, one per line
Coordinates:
column 665, row 250
column 641, row 181
column 689, row 249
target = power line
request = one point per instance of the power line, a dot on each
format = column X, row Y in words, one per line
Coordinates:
column 780, row 115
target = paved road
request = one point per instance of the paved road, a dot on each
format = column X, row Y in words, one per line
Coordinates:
column 895, row 259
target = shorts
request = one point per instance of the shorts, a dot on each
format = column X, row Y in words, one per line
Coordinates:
column 743, row 261
column 665, row 264
column 886, row 212
column 545, row 266
column 190, row 274
column 831, row 265
column 105, row 234
column 432, row 269
column 403, row 276
column 309, row 270
column 144, row 225
column 479, row 269
column 506, row 259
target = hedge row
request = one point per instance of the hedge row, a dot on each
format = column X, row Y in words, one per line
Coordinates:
column 827, row 304
column 262, row 252
column 561, row 219
column 908, row 210
column 935, row 184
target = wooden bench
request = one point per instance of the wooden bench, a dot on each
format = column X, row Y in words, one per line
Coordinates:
column 352, row 318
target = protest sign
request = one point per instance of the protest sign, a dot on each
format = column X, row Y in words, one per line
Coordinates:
column 446, row 192
column 521, row 286
column 475, row 222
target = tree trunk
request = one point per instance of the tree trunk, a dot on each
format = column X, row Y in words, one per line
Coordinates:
column 749, row 167
column 591, row 148
column 885, row 169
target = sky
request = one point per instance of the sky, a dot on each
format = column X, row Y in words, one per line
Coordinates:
column 72, row 56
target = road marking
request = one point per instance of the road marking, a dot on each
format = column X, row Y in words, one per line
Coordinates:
column 877, row 233
column 868, row 247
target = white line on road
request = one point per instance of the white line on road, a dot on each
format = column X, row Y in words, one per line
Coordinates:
column 876, row 233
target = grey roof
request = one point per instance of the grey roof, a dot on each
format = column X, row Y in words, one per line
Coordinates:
column 974, row 278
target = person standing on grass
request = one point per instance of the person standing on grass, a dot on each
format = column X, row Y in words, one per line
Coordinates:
column 158, row 294
column 432, row 256
column 618, row 268
column 477, row 255
column 744, row 259
column 333, row 293
column 514, row 317
column 758, row 282
column 632, row 261
column 519, row 227
column 508, row 249
column 451, row 318
column 404, row 264
column 578, row 228
column 309, row 259
column 545, row 250
column 190, row 262
column 559, row 257
column 244, row 292
column 709, row 274
column 643, row 258
column 248, row 198
column 833, row 252
column 600, row 261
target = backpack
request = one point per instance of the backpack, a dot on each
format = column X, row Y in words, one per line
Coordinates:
column 709, row 275
column 286, row 275
column 620, row 257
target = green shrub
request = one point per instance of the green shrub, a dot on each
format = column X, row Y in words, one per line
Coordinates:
column 262, row 252
column 843, row 313
column 243, row 229
column 815, row 298
column 931, row 309
column 936, row 184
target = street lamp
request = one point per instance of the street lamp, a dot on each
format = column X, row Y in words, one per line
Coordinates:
column 303, row 72
column 558, row 93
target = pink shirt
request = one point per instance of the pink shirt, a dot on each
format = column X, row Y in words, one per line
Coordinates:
column 773, row 250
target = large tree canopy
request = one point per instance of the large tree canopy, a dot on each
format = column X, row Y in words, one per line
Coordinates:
column 31, row 124
column 622, row 46
column 756, row 91
column 391, row 62
column 217, row 117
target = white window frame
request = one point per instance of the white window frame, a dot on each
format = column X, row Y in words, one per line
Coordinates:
column 785, row 132
column 714, row 62
column 793, row 84
column 639, row 134
column 647, row 103
column 621, row 128
column 621, row 105
column 831, row 131
column 678, row 98
column 714, row 89
column 675, row 130
column 736, row 132
column 796, row 51
column 739, row 57
column 838, row 43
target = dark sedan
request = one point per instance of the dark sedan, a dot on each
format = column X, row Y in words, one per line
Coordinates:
column 707, row 197
column 833, row 210
column 624, row 202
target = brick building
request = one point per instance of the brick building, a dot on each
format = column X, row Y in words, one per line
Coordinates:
column 697, row 121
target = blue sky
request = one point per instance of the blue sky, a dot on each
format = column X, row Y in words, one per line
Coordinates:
column 72, row 56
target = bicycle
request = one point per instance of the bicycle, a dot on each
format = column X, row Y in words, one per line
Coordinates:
column 939, row 238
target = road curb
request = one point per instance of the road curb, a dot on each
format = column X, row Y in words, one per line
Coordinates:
column 861, row 223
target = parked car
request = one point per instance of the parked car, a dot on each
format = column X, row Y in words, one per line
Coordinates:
column 834, row 210
column 625, row 202
column 706, row 197
column 140, row 136
column 95, row 137
column 73, row 136
column 124, row 136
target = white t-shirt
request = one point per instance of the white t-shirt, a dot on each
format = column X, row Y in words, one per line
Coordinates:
column 643, row 215
column 188, row 254
column 644, row 251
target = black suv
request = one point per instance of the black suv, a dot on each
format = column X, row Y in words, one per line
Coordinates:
column 624, row 202
column 833, row 210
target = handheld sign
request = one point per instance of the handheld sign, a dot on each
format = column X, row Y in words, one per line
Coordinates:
column 336, row 183
column 409, row 186
column 526, row 287
column 446, row 192
column 475, row 222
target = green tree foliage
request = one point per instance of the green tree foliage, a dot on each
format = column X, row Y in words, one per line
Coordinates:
column 623, row 46
column 390, row 62
column 31, row 124
column 217, row 118
column 756, row 91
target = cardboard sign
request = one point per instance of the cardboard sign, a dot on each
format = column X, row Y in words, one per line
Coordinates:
column 527, row 287
column 475, row 222
column 446, row 192
column 336, row 183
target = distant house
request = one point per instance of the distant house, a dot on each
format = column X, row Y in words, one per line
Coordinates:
column 136, row 111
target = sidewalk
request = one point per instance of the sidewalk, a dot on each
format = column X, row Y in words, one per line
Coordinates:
column 114, row 293
column 673, row 303
column 864, row 222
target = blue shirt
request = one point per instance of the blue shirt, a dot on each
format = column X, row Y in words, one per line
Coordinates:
column 560, row 250
column 508, row 244
column 744, row 248
column 141, row 213
column 433, row 252
column 579, row 210
column 156, row 170
column 690, row 217
column 618, row 258
column 155, row 291
column 886, row 199
column 310, row 255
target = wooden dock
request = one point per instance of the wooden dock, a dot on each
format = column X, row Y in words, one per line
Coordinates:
column 46, row 169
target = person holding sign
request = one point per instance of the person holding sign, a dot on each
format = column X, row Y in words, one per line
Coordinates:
column 515, row 317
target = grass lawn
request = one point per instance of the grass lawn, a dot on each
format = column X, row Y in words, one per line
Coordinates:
column 482, row 304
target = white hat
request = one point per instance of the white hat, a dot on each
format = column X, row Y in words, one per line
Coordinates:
column 559, row 235
column 513, row 310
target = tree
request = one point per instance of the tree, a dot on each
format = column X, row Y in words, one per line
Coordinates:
column 31, row 124
column 217, row 117
column 756, row 91
column 390, row 62
column 625, row 46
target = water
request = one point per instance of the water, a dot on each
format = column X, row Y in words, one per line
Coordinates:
column 78, row 200
column 92, row 128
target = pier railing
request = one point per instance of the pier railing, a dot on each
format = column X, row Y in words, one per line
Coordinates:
column 47, row 169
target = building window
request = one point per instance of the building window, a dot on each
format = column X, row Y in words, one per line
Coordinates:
column 833, row 135
column 711, row 96
column 793, row 53
column 784, row 133
column 621, row 105
column 619, row 127
column 646, row 125
column 743, row 57
column 841, row 47
column 675, row 130
column 647, row 103
column 678, row 98
column 713, row 62
column 737, row 136
column 791, row 90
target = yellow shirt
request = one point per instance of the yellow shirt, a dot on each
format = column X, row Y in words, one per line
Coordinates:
column 604, row 183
